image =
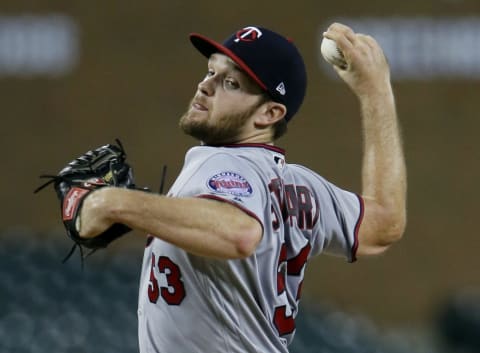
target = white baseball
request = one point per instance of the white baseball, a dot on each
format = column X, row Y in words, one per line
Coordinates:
column 332, row 54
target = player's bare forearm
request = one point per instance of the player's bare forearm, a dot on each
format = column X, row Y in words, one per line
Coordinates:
column 384, row 181
column 383, row 173
column 200, row 226
column 383, row 170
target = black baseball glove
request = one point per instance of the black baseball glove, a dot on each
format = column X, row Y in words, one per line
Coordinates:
column 104, row 166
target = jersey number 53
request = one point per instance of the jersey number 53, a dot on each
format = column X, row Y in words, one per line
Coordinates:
column 174, row 292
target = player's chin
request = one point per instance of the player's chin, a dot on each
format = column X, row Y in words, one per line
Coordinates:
column 194, row 116
column 192, row 121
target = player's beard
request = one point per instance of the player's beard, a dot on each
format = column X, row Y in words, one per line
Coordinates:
column 226, row 129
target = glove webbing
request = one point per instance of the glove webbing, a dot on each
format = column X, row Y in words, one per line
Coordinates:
column 55, row 178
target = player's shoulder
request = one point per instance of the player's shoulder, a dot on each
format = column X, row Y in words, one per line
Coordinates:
column 249, row 163
column 305, row 175
column 209, row 153
column 245, row 153
column 205, row 159
column 303, row 170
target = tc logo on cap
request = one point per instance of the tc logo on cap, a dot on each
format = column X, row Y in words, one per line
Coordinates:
column 248, row 34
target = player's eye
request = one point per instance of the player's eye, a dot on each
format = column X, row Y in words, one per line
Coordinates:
column 231, row 83
column 210, row 73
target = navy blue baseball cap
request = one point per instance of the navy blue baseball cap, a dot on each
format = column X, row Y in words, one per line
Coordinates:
column 270, row 59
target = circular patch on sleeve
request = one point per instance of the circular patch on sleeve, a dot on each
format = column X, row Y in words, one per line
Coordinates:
column 230, row 183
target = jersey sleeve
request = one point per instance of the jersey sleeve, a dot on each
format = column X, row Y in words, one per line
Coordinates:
column 340, row 216
column 229, row 179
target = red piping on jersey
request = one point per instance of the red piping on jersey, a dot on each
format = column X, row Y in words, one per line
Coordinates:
column 257, row 145
column 217, row 198
column 357, row 228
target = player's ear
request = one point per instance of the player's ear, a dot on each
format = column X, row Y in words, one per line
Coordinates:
column 270, row 113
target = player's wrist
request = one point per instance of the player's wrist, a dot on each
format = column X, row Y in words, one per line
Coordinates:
column 380, row 96
column 95, row 210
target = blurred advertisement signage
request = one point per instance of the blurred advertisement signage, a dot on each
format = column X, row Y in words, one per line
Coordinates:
column 32, row 45
column 424, row 48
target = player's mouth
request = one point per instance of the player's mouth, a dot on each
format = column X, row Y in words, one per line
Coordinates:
column 198, row 106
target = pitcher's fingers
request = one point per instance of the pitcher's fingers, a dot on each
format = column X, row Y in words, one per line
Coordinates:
column 339, row 31
column 369, row 40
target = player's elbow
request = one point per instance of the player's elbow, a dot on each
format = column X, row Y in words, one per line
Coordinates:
column 247, row 239
column 396, row 225
column 382, row 227
column 392, row 231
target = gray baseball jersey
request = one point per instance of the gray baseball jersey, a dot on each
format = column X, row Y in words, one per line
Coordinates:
column 195, row 304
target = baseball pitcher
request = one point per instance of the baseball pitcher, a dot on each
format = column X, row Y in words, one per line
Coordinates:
column 228, row 245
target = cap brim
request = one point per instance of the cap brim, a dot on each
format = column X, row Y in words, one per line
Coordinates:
column 207, row 47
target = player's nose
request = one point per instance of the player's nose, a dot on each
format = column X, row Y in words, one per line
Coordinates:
column 207, row 86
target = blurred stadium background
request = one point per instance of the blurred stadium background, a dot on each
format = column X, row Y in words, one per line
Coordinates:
column 75, row 75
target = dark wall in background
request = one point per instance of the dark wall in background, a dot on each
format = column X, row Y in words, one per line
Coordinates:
column 135, row 75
